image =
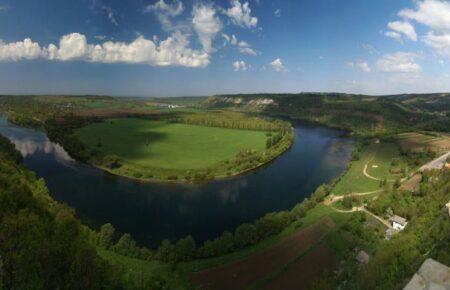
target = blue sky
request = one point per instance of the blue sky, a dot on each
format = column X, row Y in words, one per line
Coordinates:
column 185, row 48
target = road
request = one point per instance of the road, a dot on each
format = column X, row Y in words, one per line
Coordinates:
column 437, row 163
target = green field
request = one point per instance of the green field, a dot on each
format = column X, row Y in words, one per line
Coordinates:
column 378, row 158
column 169, row 146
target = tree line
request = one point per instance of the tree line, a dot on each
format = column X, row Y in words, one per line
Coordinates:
column 186, row 249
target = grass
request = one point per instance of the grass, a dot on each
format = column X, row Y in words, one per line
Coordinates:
column 378, row 158
column 176, row 277
column 139, row 270
column 157, row 144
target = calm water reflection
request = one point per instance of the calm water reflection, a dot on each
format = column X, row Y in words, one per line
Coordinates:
column 152, row 212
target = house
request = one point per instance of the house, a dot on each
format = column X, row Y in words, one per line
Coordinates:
column 398, row 223
column 363, row 258
column 431, row 275
column 448, row 207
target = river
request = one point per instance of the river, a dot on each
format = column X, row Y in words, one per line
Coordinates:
column 153, row 212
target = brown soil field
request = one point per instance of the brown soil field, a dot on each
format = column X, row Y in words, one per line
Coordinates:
column 115, row 113
column 302, row 273
column 421, row 142
column 413, row 184
column 243, row 273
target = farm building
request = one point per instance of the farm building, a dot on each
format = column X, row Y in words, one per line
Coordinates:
column 398, row 223
column 431, row 275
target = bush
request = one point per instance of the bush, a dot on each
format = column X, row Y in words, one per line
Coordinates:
column 245, row 235
column 112, row 161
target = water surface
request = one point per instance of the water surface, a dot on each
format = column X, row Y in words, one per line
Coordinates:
column 153, row 212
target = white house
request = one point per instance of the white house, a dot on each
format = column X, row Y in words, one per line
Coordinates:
column 398, row 223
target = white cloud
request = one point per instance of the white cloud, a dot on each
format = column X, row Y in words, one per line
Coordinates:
column 277, row 65
column 360, row 64
column 404, row 28
column 173, row 51
column 26, row 49
column 440, row 42
column 240, row 14
column 165, row 12
column 395, row 35
column 403, row 62
column 243, row 46
column 277, row 13
column 364, row 66
column 432, row 13
column 240, row 65
column 206, row 24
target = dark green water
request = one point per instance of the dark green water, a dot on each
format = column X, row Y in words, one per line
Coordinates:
column 152, row 212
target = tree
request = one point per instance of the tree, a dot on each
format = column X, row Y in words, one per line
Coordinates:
column 106, row 235
column 207, row 250
column 185, row 249
column 245, row 235
column 126, row 246
column 166, row 252
column 224, row 243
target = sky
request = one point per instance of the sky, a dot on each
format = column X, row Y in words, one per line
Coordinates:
column 189, row 48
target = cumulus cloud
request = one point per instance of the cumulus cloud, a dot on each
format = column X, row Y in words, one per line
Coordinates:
column 206, row 24
column 242, row 46
column 240, row 14
column 440, row 42
column 239, row 65
column 277, row 65
column 395, row 35
column 405, row 28
column 173, row 51
column 165, row 12
column 402, row 62
column 26, row 49
column 434, row 14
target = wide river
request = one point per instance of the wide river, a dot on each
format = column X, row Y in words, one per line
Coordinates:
column 153, row 212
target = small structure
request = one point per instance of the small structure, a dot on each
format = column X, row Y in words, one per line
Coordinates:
column 431, row 275
column 363, row 258
column 398, row 223
column 448, row 207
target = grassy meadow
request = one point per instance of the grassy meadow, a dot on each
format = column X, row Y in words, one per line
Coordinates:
column 146, row 145
column 377, row 158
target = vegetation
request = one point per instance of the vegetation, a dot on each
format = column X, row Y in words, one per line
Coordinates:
column 168, row 151
column 43, row 245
